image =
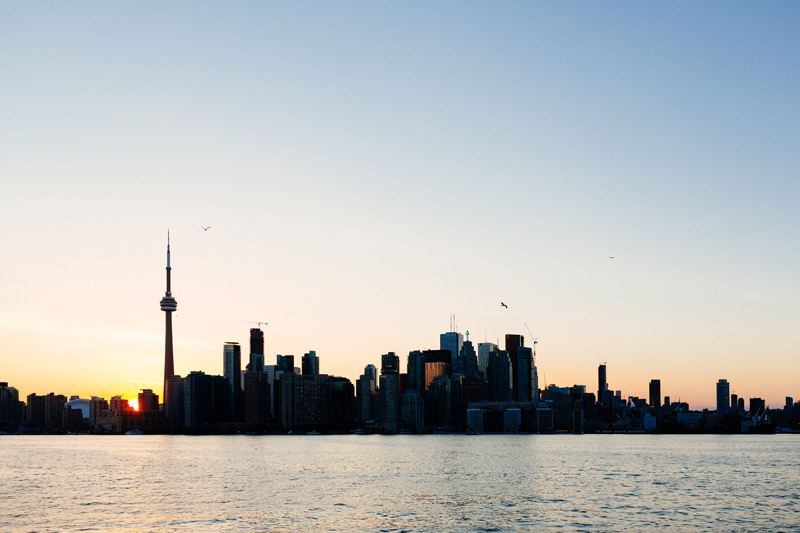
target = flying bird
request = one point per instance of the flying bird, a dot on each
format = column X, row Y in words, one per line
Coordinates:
column 205, row 228
column 611, row 257
column 504, row 305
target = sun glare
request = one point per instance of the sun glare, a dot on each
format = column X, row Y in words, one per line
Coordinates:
column 134, row 403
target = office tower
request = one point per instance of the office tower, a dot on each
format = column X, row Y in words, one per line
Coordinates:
column 9, row 400
column 523, row 375
column 366, row 388
column 602, row 385
column 305, row 402
column 723, row 397
column 413, row 410
column 96, row 406
column 416, row 371
column 256, row 350
column 451, row 342
column 232, row 371
column 434, row 369
column 498, row 374
column 310, row 364
column 734, row 402
column 468, row 360
column 758, row 408
column 343, row 413
column 256, row 399
column 168, row 305
column 513, row 343
column 174, row 406
column 148, row 401
column 483, row 355
column 286, row 363
column 655, row 393
column 787, row 409
column 437, row 402
column 390, row 390
column 740, row 405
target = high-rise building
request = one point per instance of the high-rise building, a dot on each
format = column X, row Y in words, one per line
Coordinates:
column 9, row 400
column 256, row 350
column 416, row 371
column 256, row 399
column 483, row 355
column 523, row 376
column 148, row 401
column 451, row 342
column 758, row 408
column 655, row 393
column 468, row 360
column 286, row 363
column 174, row 407
column 602, row 385
column 498, row 374
column 723, row 397
column 366, row 388
column 232, row 372
column 434, row 369
column 390, row 390
column 169, row 305
column 310, row 364
column 734, row 402
column 513, row 343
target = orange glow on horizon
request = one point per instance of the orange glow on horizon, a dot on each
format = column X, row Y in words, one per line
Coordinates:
column 134, row 403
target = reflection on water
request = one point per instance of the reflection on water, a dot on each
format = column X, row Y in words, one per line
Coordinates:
column 404, row 482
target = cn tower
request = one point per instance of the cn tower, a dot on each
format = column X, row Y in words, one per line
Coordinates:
column 168, row 305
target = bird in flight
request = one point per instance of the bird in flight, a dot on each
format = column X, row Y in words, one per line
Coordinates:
column 504, row 305
column 205, row 228
column 611, row 257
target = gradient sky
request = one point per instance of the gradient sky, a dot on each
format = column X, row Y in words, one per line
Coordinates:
column 369, row 168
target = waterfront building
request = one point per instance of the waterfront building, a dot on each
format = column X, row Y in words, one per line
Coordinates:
column 413, row 410
column 498, row 371
column 522, row 377
column 366, row 389
column 723, row 397
column 9, row 405
column 390, row 391
column 484, row 348
column 232, row 371
column 174, row 405
column 256, row 399
column 256, row 350
column 513, row 343
column 433, row 369
column 602, row 385
column 415, row 370
column 148, row 401
column 451, row 342
column 468, row 360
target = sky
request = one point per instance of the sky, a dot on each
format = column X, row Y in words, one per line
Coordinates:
column 369, row 169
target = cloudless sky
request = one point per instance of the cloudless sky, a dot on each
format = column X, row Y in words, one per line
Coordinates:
column 369, row 168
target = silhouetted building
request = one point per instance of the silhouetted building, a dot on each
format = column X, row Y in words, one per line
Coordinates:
column 206, row 401
column 232, row 371
column 286, row 363
column 523, row 375
column 256, row 350
column 602, row 385
column 513, row 343
column 468, row 360
column 305, row 402
column 256, row 400
column 148, row 400
column 9, row 405
column 484, row 348
column 499, row 376
column 416, row 371
column 413, row 410
column 310, row 364
column 96, row 406
column 433, row 369
column 723, row 397
column 655, row 393
column 366, row 390
column 390, row 391
column 175, row 406
column 758, row 408
column 437, row 403
column 451, row 342
column 342, row 404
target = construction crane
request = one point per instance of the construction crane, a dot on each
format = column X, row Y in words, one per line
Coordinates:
column 259, row 323
column 535, row 341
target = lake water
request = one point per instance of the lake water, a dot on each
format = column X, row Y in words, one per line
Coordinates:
column 403, row 482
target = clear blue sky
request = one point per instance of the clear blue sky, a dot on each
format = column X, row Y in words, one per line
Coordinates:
column 369, row 168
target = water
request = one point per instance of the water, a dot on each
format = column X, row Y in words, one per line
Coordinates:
column 400, row 483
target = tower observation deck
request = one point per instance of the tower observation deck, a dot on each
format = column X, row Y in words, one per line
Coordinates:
column 168, row 305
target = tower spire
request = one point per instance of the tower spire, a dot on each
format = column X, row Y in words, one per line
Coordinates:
column 168, row 305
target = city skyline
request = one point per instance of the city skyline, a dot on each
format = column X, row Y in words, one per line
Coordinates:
column 623, row 178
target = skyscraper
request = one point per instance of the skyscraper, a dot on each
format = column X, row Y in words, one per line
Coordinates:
column 256, row 350
column 523, row 375
column 232, row 371
column 602, row 385
column 451, row 342
column 723, row 397
column 655, row 393
column 390, row 390
column 468, row 360
column 310, row 364
column 168, row 305
column 513, row 343
column 498, row 370
column 483, row 355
